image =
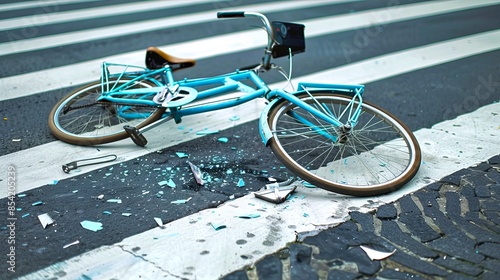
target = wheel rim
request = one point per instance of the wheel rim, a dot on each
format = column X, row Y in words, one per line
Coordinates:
column 98, row 120
column 375, row 154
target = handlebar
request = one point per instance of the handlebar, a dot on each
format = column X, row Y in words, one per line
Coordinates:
column 266, row 61
column 230, row 14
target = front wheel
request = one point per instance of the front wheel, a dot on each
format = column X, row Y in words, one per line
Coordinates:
column 376, row 155
column 78, row 118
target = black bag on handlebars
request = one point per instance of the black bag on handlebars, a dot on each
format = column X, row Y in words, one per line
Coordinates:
column 288, row 36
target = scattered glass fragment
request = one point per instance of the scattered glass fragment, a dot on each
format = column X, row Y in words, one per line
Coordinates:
column 114, row 200
column 181, row 154
column 45, row 220
column 71, row 244
column 181, row 201
column 306, row 215
column 162, row 183
column 101, row 196
column 75, row 191
column 248, row 216
column 106, row 212
column 198, row 176
column 54, row 182
column 168, row 183
column 234, row 118
column 36, row 203
column 171, row 183
column 166, row 235
column 159, row 222
column 16, row 140
column 127, row 214
column 241, row 183
column 308, row 185
column 206, row 132
column 25, row 215
column 90, row 225
column 21, row 195
column 223, row 140
column 229, row 171
column 377, row 255
column 217, row 226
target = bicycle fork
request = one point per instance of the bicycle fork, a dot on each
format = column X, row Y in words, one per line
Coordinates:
column 320, row 111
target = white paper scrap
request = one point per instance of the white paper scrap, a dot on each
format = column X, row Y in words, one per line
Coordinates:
column 377, row 255
column 45, row 220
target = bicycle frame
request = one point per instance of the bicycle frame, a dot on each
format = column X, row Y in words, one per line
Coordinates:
column 221, row 85
column 323, row 133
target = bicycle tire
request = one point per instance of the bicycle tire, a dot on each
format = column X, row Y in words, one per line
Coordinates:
column 97, row 124
column 365, row 164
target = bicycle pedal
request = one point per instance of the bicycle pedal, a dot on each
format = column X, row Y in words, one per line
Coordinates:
column 136, row 135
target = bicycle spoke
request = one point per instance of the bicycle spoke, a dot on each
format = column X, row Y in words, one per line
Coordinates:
column 373, row 151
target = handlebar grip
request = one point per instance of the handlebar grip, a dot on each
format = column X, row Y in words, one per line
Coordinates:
column 230, row 14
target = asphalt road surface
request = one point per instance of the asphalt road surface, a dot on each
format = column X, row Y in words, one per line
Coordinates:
column 427, row 62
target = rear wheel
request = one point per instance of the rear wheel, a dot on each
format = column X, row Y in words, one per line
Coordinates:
column 378, row 154
column 79, row 119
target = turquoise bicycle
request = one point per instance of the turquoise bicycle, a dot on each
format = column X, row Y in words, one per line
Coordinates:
column 324, row 133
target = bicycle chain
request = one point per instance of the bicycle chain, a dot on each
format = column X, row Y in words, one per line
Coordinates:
column 109, row 103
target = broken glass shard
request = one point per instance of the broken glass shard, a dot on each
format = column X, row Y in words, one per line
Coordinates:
column 45, row 220
column 71, row 244
column 90, row 225
column 181, row 201
column 159, row 222
column 223, row 140
column 198, row 176
column 206, row 132
column 249, row 216
column 217, row 226
column 376, row 255
column 181, row 154
column 241, row 183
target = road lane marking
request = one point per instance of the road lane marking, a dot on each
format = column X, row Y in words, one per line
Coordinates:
column 446, row 148
column 56, row 40
column 38, row 4
column 92, row 13
column 85, row 72
column 376, row 68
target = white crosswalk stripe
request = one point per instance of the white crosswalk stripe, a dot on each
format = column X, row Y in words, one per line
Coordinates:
column 86, row 72
column 120, row 260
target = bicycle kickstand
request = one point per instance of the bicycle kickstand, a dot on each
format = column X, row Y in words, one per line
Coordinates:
column 136, row 134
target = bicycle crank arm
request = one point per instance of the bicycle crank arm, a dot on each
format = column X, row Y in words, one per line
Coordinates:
column 136, row 134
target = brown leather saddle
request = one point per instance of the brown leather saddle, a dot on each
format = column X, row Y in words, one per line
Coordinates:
column 156, row 59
